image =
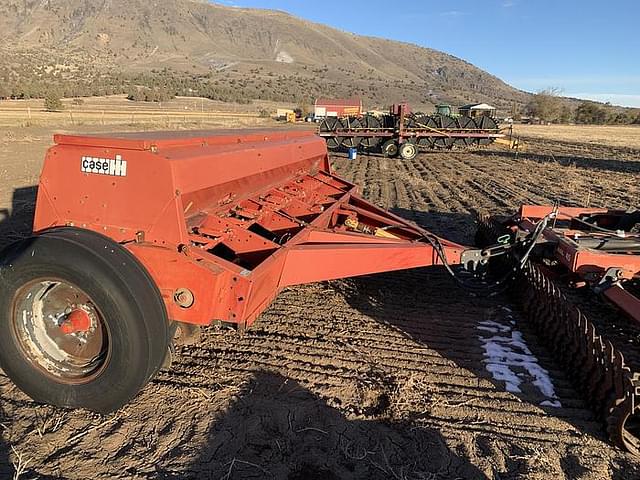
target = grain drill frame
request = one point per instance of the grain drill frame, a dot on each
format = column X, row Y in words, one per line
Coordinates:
column 137, row 233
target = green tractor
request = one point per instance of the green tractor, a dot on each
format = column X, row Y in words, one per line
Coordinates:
column 446, row 110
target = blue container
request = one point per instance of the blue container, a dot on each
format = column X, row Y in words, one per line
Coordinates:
column 353, row 153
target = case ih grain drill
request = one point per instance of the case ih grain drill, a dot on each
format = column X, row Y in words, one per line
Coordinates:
column 136, row 235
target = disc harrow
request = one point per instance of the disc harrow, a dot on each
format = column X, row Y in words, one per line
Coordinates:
column 328, row 127
column 370, row 123
column 399, row 126
column 444, row 124
column 595, row 363
column 352, row 127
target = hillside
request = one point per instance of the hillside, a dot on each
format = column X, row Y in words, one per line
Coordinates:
column 101, row 46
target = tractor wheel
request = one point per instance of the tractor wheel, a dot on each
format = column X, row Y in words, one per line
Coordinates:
column 84, row 325
column 390, row 148
column 408, row 150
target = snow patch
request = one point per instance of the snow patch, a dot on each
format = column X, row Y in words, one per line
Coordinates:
column 509, row 360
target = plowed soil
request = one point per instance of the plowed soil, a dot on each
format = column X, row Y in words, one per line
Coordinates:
column 381, row 377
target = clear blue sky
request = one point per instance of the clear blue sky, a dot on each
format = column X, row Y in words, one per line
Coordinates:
column 588, row 48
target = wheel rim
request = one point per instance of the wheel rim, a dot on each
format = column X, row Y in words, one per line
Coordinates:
column 391, row 149
column 60, row 330
column 409, row 150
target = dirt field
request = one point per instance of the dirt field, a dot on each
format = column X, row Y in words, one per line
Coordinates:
column 392, row 376
column 615, row 136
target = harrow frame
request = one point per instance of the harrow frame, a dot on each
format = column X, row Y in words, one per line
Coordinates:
column 403, row 132
column 604, row 270
column 582, row 247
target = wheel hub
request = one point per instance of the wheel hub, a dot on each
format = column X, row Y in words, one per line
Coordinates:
column 77, row 321
column 60, row 330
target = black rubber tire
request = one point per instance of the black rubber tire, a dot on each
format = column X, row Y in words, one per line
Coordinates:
column 408, row 151
column 123, row 291
column 390, row 148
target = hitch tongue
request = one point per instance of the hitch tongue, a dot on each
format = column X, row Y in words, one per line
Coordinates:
column 475, row 261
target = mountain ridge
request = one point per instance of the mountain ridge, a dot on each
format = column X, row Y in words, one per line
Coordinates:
column 251, row 52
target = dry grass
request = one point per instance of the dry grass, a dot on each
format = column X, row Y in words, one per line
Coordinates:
column 615, row 136
column 20, row 464
column 117, row 110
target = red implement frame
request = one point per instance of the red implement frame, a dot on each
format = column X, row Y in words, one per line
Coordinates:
column 224, row 221
column 591, row 264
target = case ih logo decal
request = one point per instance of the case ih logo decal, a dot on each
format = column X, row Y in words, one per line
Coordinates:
column 105, row 166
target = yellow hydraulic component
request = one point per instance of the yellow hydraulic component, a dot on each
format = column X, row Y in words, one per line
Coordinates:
column 353, row 224
column 291, row 117
column 512, row 143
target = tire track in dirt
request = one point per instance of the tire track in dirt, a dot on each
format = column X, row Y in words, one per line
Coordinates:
column 328, row 369
column 463, row 182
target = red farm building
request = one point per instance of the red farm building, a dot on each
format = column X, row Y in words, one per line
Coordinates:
column 337, row 107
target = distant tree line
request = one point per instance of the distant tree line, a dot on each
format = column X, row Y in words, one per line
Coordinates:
column 548, row 106
column 161, row 85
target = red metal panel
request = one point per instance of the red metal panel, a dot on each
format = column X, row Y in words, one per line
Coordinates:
column 231, row 218
column 564, row 213
column 576, row 258
column 172, row 271
column 590, row 264
column 188, row 138
column 627, row 302
column 143, row 200
column 314, row 263
column 585, row 260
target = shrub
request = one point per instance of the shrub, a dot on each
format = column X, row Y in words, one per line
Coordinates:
column 589, row 112
column 52, row 102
